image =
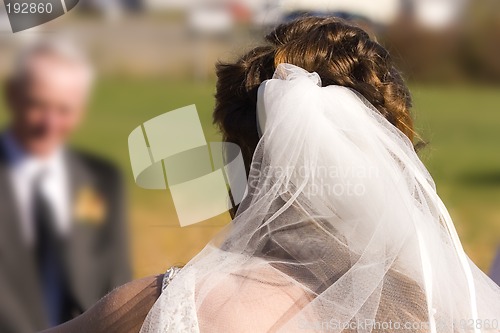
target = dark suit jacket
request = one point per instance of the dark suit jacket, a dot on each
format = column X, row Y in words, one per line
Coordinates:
column 95, row 253
column 495, row 269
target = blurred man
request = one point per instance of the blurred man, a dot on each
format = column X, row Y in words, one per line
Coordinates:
column 62, row 225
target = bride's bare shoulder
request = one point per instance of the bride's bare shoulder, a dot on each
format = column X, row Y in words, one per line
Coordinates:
column 250, row 300
column 121, row 311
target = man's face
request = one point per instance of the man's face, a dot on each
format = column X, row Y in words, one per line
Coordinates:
column 48, row 103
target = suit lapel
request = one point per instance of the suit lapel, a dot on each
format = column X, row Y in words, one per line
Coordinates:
column 18, row 263
column 10, row 235
column 79, row 259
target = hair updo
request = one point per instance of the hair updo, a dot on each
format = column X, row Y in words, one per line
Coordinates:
column 340, row 53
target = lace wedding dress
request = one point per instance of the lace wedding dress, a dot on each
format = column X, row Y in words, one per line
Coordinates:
column 341, row 230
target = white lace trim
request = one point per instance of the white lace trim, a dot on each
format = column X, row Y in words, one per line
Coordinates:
column 175, row 309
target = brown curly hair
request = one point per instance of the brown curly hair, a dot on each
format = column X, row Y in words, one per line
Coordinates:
column 340, row 53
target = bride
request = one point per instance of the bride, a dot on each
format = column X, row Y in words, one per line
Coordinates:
column 341, row 229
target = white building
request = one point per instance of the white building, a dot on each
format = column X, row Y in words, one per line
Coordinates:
column 171, row 4
column 429, row 13
column 377, row 11
column 438, row 14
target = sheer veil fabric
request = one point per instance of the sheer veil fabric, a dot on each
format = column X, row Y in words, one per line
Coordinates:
column 341, row 230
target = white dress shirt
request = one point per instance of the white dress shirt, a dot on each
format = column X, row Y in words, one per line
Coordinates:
column 23, row 170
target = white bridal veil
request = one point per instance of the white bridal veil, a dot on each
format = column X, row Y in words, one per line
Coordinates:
column 341, row 231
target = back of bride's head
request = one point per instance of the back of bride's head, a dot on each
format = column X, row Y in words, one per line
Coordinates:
column 304, row 240
column 340, row 53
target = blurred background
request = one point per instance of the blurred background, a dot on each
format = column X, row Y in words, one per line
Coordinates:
column 154, row 56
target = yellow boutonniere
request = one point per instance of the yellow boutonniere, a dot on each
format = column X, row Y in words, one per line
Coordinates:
column 90, row 207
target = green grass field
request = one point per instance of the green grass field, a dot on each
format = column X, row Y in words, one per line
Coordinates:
column 462, row 126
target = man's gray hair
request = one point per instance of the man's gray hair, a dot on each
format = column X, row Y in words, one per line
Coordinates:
column 59, row 49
